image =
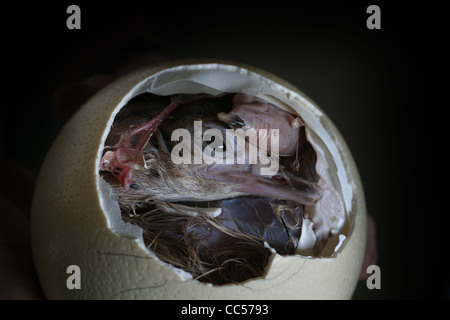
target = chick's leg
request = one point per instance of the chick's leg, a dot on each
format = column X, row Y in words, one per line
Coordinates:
column 128, row 156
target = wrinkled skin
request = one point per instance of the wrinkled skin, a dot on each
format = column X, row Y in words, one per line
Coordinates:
column 252, row 112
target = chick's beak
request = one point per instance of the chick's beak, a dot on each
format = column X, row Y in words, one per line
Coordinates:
column 233, row 120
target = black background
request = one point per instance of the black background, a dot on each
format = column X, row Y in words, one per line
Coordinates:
column 374, row 85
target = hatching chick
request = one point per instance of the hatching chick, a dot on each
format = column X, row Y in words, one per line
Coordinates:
column 142, row 161
column 255, row 210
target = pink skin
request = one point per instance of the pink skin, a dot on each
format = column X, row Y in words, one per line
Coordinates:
column 249, row 112
column 258, row 114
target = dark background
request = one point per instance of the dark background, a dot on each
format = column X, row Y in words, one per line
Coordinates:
column 370, row 83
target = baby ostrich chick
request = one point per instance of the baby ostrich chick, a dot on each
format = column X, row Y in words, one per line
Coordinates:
column 149, row 169
column 213, row 220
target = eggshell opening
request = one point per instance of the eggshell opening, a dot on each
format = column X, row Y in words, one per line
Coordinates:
column 76, row 218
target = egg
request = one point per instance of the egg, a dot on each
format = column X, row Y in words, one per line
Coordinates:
column 83, row 249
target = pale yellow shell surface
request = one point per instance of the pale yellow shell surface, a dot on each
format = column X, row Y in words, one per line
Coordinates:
column 69, row 225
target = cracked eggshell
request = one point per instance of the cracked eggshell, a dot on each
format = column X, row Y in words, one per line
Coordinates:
column 76, row 220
